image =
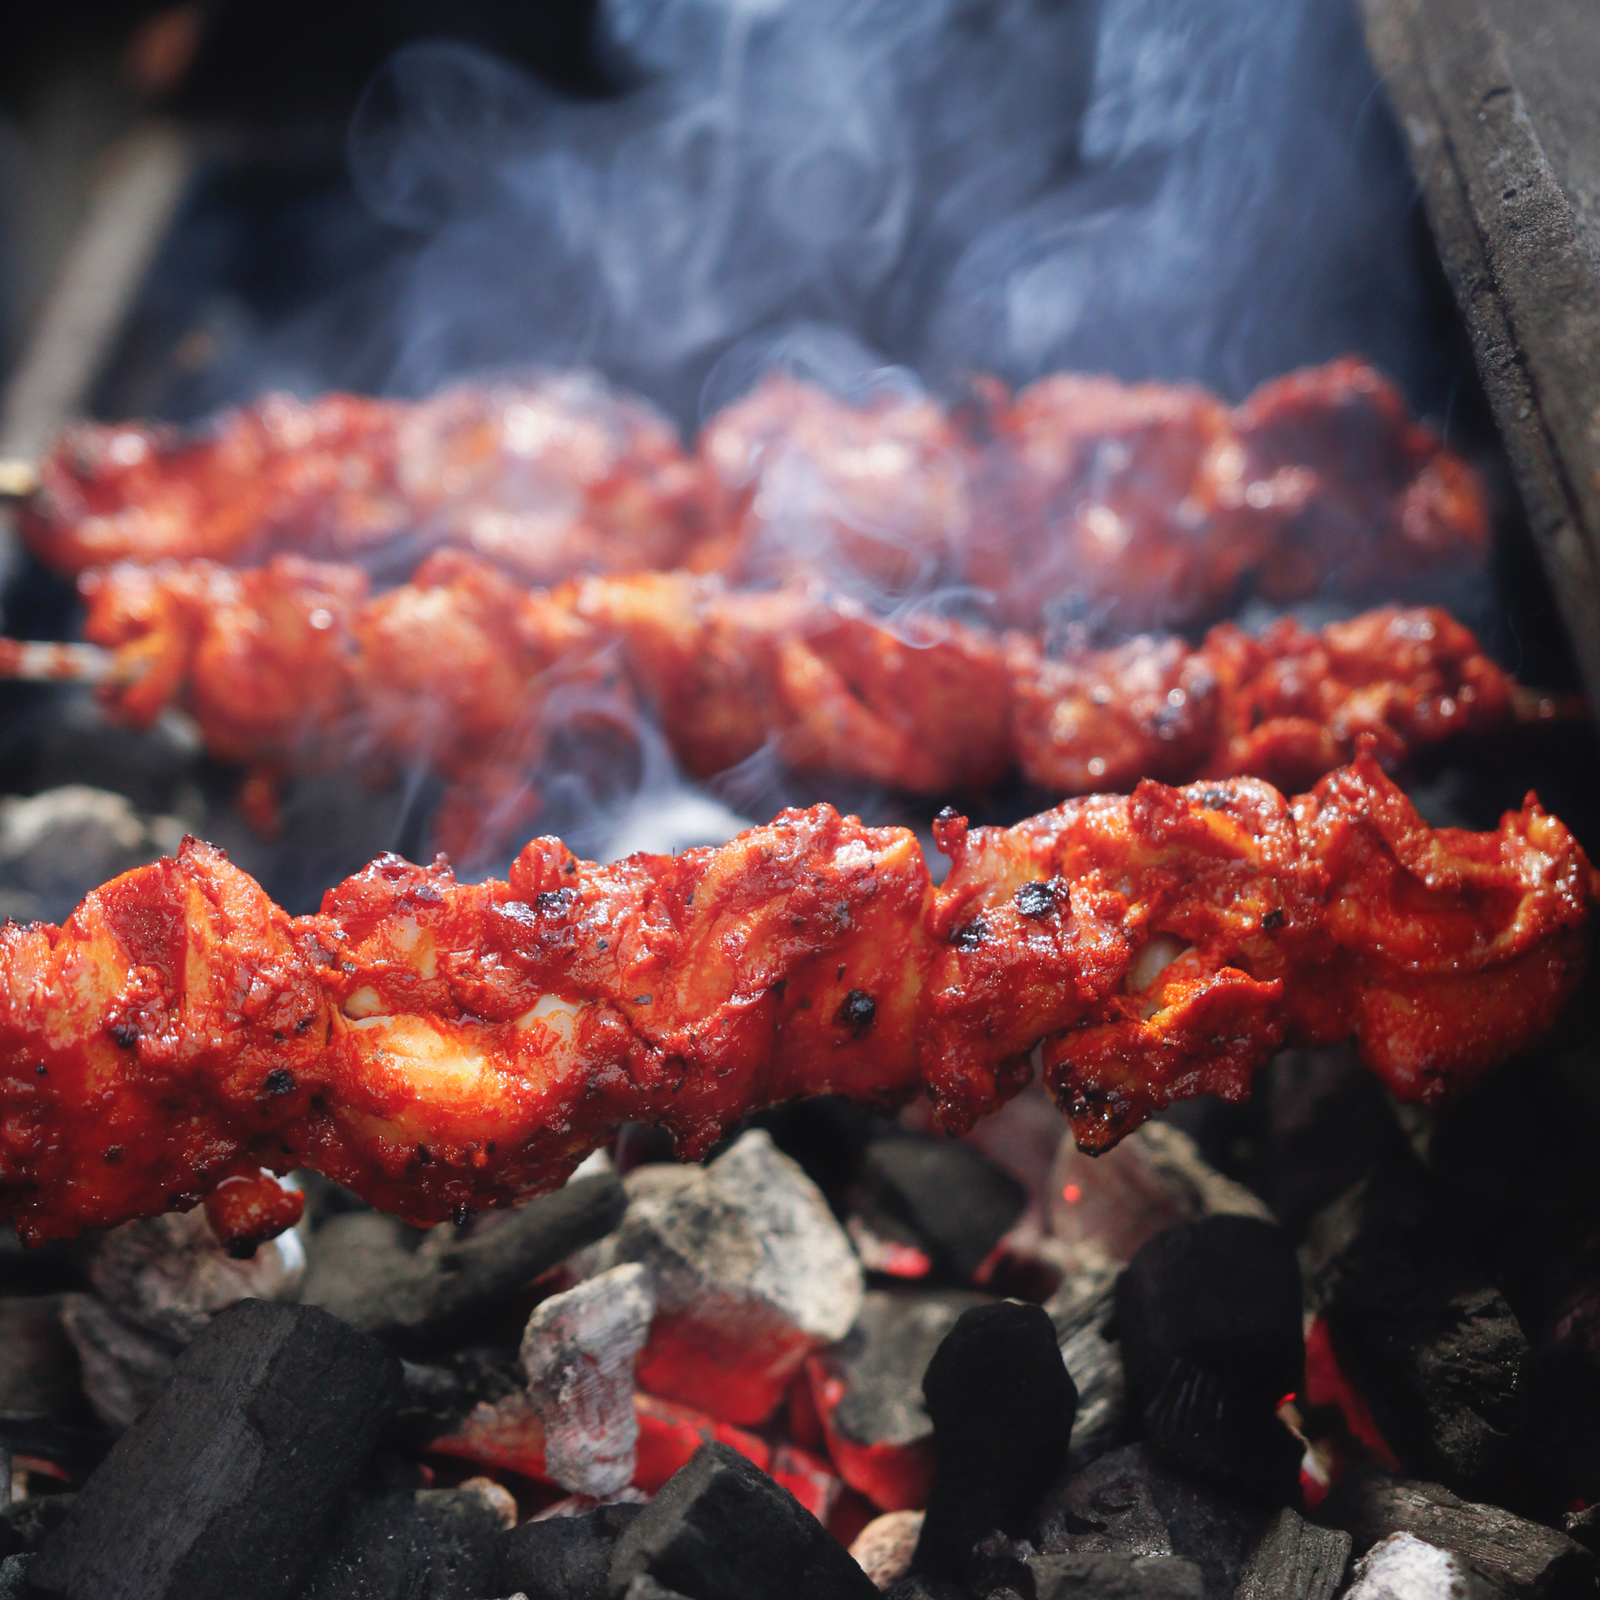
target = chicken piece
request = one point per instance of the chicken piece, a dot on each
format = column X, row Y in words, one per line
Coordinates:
column 440, row 1047
column 1100, row 505
column 920, row 706
column 548, row 478
column 1359, row 494
column 1150, row 505
column 1294, row 703
column 808, row 486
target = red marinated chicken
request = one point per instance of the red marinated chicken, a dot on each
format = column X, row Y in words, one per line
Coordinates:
column 441, row 1047
column 296, row 664
column 547, row 478
column 1143, row 505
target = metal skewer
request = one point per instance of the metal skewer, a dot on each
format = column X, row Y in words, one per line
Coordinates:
column 51, row 661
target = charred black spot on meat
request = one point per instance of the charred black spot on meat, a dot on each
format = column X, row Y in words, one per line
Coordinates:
column 1273, row 919
column 124, row 1034
column 970, row 935
column 1036, row 899
column 856, row 1012
column 279, row 1081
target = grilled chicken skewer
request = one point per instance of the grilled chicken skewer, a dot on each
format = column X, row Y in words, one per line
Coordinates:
column 441, row 1047
column 298, row 664
column 1142, row 505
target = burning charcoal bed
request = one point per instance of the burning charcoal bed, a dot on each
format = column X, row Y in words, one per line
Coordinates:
column 999, row 1175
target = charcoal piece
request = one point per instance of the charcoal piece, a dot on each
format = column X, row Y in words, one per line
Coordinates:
column 1527, row 1558
column 1114, row 1577
column 1110, row 1505
column 1002, row 1406
column 227, row 1485
column 38, row 1366
column 1294, row 1560
column 26, row 1524
column 955, row 1203
column 721, row 1529
column 561, row 1558
column 1209, row 1322
column 917, row 1587
column 14, row 1577
column 170, row 1276
column 435, row 1398
column 123, row 1367
column 1431, row 1343
column 1135, row 1502
column 1404, row 1567
column 1584, row 1526
column 435, row 1542
column 1082, row 1312
column 879, row 1433
column 750, row 1271
column 418, row 1296
column 644, row 1587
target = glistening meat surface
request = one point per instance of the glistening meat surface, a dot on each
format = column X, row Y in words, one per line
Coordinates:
column 441, row 1047
column 296, row 664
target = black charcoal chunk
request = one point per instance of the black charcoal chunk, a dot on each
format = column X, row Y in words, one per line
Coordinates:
column 14, row 1577
column 1294, row 1560
column 1002, row 1405
column 26, row 1524
column 435, row 1398
column 1528, row 1559
column 1134, row 1502
column 721, row 1529
column 436, row 1542
column 1404, row 1567
column 1431, row 1342
column 1584, row 1526
column 561, row 1558
column 948, row 1199
column 1114, row 1577
column 1208, row 1316
column 229, row 1483
column 1082, row 1311
column 880, row 1364
column 916, row 1587
column 420, row 1295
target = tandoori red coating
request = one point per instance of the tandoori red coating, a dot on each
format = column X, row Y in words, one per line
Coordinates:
column 440, row 1047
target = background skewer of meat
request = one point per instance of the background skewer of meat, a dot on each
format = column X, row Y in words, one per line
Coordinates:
column 296, row 664
column 440, row 1047
column 1140, row 506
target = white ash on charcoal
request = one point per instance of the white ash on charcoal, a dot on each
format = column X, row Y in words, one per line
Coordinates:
column 884, row 1548
column 1404, row 1567
column 1082, row 1311
column 1209, row 1321
column 14, row 1577
column 1528, row 1559
column 1432, row 1343
column 750, row 1273
column 868, row 1392
column 158, row 1284
column 1002, row 1407
column 721, row 1529
column 123, row 1367
column 1103, row 1208
column 434, row 1542
column 421, row 1293
column 578, row 1355
column 230, row 1482
column 644, row 1587
column 57, row 846
column 938, row 1199
column 562, row 1558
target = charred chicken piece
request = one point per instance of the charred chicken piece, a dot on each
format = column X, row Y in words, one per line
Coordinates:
column 547, row 478
column 441, row 1047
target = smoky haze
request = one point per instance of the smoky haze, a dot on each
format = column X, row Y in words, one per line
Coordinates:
column 1207, row 189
